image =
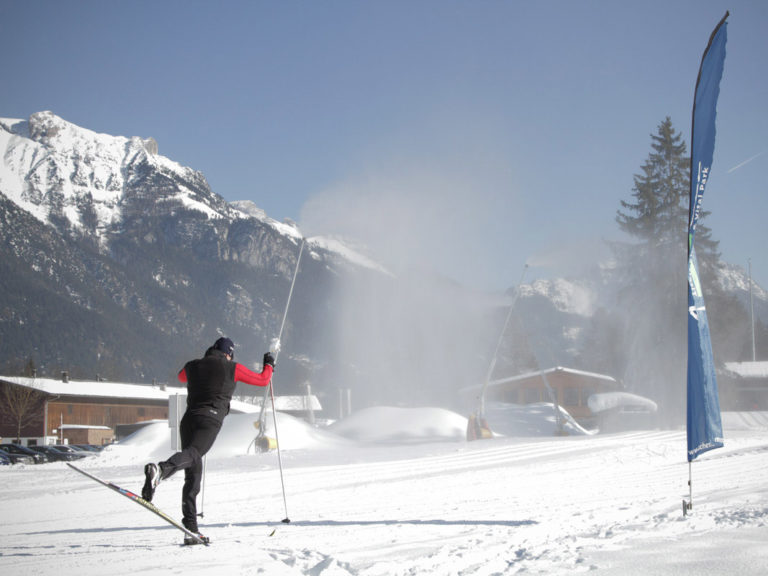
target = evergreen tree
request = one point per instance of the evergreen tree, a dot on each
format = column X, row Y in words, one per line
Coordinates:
column 660, row 192
column 653, row 269
column 658, row 216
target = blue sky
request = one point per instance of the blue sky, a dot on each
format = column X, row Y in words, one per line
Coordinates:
column 467, row 136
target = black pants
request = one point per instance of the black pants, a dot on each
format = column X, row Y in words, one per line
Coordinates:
column 198, row 434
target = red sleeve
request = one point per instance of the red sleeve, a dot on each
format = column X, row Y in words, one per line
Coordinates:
column 243, row 374
column 182, row 376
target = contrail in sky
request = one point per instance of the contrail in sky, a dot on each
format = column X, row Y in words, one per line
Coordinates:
column 747, row 161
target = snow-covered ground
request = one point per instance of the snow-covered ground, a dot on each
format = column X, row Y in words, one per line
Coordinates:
column 396, row 491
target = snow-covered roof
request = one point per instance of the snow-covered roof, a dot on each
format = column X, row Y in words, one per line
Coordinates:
column 101, row 389
column 297, row 403
column 555, row 370
column 92, row 388
column 609, row 380
column 287, row 403
column 748, row 369
column 82, row 427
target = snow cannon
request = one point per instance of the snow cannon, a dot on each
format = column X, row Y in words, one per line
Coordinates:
column 265, row 444
column 477, row 427
column 262, row 442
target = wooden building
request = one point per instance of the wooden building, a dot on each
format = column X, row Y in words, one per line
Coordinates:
column 91, row 412
column 743, row 386
column 571, row 389
column 54, row 411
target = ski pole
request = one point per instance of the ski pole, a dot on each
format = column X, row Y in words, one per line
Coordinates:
column 285, row 520
column 202, row 492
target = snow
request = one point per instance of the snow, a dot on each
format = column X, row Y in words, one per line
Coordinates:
column 13, row 157
column 397, row 425
column 393, row 491
column 748, row 369
column 566, row 296
column 93, row 388
column 79, row 165
column 615, row 400
column 343, row 249
column 248, row 209
column 119, row 390
column 184, row 196
column 81, row 162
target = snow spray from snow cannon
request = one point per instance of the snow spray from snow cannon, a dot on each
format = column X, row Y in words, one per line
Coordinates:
column 477, row 426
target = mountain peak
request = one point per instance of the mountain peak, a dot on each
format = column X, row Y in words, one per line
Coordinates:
column 65, row 175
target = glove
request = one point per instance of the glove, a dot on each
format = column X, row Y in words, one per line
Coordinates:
column 274, row 345
column 269, row 360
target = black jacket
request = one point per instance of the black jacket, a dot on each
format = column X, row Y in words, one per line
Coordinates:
column 210, row 384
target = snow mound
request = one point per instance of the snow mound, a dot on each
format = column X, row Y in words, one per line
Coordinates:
column 150, row 442
column 612, row 400
column 387, row 424
column 377, row 425
column 239, row 430
column 153, row 441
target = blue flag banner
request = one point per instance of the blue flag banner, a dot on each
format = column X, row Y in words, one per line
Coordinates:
column 705, row 430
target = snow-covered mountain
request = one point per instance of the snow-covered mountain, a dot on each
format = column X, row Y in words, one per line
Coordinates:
column 54, row 169
column 735, row 280
column 111, row 249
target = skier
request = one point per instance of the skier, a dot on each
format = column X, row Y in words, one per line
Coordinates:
column 210, row 383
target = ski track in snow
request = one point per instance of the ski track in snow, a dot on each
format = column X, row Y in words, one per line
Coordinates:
column 598, row 504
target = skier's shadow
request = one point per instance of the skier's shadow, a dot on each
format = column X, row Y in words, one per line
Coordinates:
column 415, row 522
column 304, row 523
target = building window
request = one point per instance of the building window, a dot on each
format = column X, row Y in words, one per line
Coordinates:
column 142, row 411
column 531, row 395
column 571, row 396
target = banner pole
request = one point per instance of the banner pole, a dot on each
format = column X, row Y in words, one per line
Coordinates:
column 688, row 506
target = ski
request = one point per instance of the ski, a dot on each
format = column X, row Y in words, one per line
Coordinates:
column 190, row 537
